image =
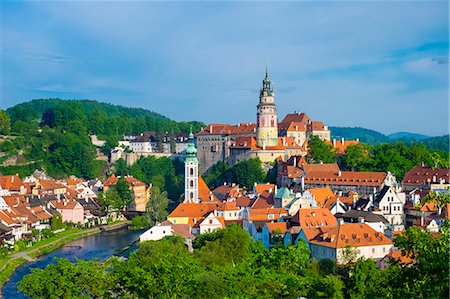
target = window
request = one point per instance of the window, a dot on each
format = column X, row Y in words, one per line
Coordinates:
column 210, row 221
column 384, row 249
column 192, row 195
column 373, row 250
column 191, row 183
column 191, row 171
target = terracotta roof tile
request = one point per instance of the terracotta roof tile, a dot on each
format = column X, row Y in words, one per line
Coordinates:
column 314, row 218
column 351, row 234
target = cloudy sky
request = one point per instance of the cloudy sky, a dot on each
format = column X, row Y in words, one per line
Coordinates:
column 380, row 65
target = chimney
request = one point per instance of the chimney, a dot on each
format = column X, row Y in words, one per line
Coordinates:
column 361, row 219
column 340, row 193
column 354, row 201
column 284, row 141
column 12, row 179
column 339, row 173
column 342, row 141
column 295, row 161
column 421, row 220
column 340, row 221
column 313, row 214
column 334, row 142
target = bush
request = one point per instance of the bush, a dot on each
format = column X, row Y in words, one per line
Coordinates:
column 138, row 222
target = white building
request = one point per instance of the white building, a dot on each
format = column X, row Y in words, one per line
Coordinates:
column 333, row 242
column 390, row 202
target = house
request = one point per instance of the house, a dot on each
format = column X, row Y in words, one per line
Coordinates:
column 166, row 228
column 375, row 221
column 390, row 201
column 333, row 242
column 48, row 186
column 6, row 235
column 272, row 233
column 422, row 177
column 70, row 210
column 139, row 191
column 12, row 184
column 227, row 191
column 341, row 145
column 209, row 224
column 314, row 218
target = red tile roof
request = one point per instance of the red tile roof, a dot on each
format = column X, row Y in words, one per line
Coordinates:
column 351, row 234
column 11, row 182
column 421, row 175
column 64, row 204
column 314, row 218
column 349, row 178
column 277, row 227
column 112, row 180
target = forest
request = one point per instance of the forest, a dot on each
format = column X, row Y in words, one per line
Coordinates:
column 53, row 134
column 227, row 263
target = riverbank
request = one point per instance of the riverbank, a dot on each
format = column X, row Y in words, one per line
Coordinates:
column 10, row 264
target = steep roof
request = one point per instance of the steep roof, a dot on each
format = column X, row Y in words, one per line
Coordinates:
column 351, row 234
column 11, row 182
column 265, row 214
column 278, row 227
column 314, row 218
column 284, row 193
column 422, row 175
column 112, row 180
column 341, row 145
column 321, row 194
column 204, row 193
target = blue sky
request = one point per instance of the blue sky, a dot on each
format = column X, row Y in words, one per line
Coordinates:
column 379, row 65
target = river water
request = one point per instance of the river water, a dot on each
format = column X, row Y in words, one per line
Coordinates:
column 101, row 246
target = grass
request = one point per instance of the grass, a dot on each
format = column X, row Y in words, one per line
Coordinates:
column 54, row 238
column 10, row 268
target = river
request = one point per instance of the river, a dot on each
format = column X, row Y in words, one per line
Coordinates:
column 101, row 246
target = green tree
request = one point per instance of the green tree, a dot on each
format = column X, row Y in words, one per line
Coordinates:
column 159, row 141
column 56, row 222
column 246, row 173
column 356, row 157
column 121, row 168
column 5, row 122
column 123, row 191
column 86, row 279
column 320, row 151
column 157, row 206
column 173, row 142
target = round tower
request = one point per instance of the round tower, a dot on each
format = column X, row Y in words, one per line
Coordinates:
column 191, row 172
column 266, row 117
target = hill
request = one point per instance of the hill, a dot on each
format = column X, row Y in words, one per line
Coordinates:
column 128, row 120
column 365, row 135
column 407, row 136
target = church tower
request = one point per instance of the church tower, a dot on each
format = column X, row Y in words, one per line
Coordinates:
column 266, row 118
column 191, row 172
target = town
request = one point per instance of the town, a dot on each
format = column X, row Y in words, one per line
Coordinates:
column 330, row 209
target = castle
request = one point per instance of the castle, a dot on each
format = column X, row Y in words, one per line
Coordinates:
column 266, row 139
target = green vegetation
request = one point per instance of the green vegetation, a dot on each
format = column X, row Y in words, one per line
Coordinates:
column 53, row 134
column 10, row 268
column 395, row 157
column 227, row 263
column 244, row 173
column 164, row 173
column 5, row 122
column 320, row 151
column 372, row 137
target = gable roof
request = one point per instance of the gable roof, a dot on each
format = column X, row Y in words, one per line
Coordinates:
column 11, row 182
column 321, row 194
column 314, row 217
column 423, row 175
column 348, row 178
column 351, row 234
column 277, row 227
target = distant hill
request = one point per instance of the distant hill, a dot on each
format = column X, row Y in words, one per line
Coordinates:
column 407, row 136
column 365, row 135
column 373, row 137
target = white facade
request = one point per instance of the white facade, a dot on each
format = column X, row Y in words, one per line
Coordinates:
column 191, row 182
column 210, row 224
column 141, row 147
column 391, row 206
column 156, row 232
column 374, row 252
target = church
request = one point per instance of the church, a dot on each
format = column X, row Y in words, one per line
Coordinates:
column 267, row 139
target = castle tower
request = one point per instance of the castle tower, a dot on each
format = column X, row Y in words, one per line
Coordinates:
column 266, row 119
column 191, row 172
